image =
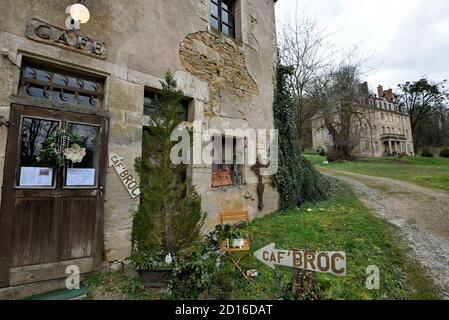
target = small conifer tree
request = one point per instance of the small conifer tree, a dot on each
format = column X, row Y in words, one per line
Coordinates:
column 169, row 217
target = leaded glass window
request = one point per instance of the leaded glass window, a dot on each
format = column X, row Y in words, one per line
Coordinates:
column 59, row 86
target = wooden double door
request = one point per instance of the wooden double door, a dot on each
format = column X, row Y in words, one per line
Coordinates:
column 51, row 217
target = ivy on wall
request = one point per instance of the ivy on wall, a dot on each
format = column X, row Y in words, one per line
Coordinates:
column 296, row 179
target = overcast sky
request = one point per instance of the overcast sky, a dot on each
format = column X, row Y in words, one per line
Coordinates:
column 408, row 39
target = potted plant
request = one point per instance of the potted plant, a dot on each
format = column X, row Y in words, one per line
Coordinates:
column 154, row 269
column 169, row 218
column 230, row 235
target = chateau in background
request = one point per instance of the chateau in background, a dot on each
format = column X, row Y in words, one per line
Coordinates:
column 388, row 132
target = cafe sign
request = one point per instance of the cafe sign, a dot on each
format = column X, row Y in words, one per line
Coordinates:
column 128, row 180
column 323, row 262
column 41, row 31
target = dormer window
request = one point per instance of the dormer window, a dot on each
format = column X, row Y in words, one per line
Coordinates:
column 222, row 16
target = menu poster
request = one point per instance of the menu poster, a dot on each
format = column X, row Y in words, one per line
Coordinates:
column 36, row 177
column 80, row 177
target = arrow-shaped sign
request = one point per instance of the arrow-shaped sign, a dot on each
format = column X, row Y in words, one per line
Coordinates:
column 325, row 262
column 130, row 183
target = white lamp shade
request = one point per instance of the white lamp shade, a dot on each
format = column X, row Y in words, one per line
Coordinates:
column 79, row 13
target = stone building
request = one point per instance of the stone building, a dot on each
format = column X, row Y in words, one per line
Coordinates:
column 387, row 133
column 101, row 82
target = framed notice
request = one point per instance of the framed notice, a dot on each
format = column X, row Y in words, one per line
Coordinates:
column 35, row 177
column 80, row 177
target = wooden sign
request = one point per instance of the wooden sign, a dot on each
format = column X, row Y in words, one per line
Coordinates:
column 324, row 262
column 130, row 183
column 41, row 31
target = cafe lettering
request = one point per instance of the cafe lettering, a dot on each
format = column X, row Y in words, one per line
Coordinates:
column 43, row 32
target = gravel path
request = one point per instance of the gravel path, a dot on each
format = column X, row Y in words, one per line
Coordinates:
column 421, row 213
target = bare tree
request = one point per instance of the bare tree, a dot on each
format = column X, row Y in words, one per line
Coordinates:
column 323, row 79
column 345, row 113
column 305, row 47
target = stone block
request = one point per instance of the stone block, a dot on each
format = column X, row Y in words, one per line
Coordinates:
column 126, row 96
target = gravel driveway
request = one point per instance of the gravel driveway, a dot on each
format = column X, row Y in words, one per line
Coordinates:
column 421, row 213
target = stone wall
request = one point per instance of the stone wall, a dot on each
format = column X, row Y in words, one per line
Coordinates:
column 221, row 62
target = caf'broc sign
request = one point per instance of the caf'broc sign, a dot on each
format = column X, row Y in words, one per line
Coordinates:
column 41, row 31
column 323, row 262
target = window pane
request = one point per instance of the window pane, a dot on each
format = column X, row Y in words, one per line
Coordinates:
column 84, row 173
column 214, row 9
column 61, row 80
column 149, row 104
column 225, row 29
column 34, row 132
column 35, row 91
column 39, row 74
column 229, row 30
column 225, row 17
column 214, row 22
column 225, row 6
column 185, row 110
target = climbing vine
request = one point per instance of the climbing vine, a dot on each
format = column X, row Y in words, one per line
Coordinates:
column 296, row 179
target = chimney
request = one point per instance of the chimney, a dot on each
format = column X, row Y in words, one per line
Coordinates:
column 389, row 95
column 364, row 88
column 380, row 91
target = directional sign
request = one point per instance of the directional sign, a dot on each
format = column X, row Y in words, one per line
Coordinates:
column 130, row 183
column 324, row 262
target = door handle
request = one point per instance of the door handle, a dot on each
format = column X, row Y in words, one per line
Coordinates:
column 101, row 189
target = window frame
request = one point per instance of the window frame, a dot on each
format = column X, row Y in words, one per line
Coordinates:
column 230, row 24
column 66, row 124
column 17, row 177
column 53, row 87
column 151, row 94
column 235, row 169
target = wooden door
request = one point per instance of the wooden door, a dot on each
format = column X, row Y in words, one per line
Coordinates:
column 51, row 218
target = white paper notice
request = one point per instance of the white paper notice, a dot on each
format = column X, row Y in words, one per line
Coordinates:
column 36, row 177
column 80, row 177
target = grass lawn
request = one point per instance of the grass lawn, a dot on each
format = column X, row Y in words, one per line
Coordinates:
column 428, row 172
column 340, row 224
